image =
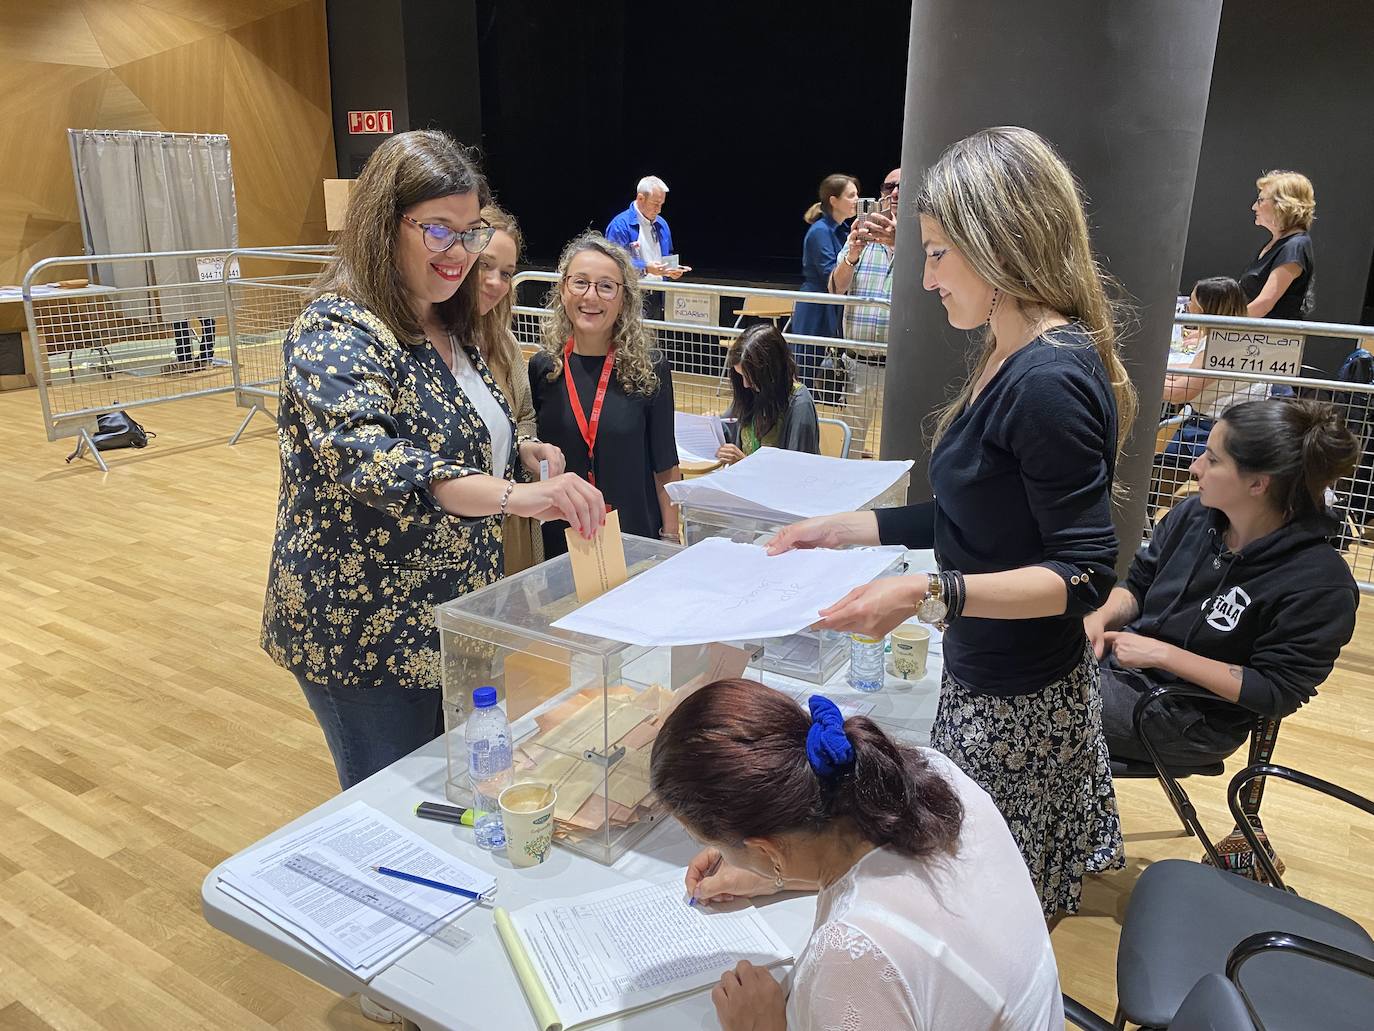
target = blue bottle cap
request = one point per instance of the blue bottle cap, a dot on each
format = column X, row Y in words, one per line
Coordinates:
column 484, row 697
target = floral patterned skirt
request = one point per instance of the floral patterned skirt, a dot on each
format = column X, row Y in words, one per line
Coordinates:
column 1044, row 761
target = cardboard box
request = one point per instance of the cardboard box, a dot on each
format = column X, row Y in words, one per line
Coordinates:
column 336, row 193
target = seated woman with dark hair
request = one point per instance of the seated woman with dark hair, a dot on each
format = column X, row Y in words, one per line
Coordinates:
column 1238, row 592
column 925, row 914
column 770, row 408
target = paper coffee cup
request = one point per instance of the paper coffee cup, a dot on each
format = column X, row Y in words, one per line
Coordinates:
column 910, row 649
column 527, row 815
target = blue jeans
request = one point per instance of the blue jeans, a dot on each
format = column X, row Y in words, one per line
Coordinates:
column 1187, row 443
column 369, row 728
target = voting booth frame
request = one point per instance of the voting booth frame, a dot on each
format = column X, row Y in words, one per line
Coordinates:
column 137, row 330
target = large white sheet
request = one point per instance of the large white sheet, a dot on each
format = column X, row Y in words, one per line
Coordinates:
column 788, row 485
column 718, row 590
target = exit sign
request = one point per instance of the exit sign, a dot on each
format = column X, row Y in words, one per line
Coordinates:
column 362, row 122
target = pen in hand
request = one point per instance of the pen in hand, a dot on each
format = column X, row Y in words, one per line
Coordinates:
column 710, row 872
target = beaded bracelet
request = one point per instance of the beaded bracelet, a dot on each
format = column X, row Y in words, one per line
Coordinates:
column 960, row 595
column 505, row 498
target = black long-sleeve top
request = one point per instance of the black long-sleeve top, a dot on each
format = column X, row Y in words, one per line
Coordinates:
column 1023, row 477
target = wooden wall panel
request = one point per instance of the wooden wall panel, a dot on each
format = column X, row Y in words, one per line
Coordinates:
column 257, row 70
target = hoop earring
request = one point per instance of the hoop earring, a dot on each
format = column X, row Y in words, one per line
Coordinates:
column 996, row 296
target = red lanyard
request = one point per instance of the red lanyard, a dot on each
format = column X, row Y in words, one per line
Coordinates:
column 588, row 427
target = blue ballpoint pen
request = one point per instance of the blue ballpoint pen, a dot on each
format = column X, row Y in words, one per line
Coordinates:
column 710, row 872
column 426, row 882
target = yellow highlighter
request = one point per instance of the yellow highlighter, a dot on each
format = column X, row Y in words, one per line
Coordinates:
column 447, row 813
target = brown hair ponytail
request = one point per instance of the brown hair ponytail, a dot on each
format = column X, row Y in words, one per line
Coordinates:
column 1302, row 446
column 730, row 762
column 831, row 186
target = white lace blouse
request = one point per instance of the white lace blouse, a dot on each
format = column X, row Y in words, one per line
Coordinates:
column 954, row 944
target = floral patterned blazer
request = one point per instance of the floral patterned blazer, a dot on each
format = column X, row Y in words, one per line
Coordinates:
column 363, row 552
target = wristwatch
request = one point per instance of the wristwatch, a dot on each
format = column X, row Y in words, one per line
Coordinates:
column 933, row 607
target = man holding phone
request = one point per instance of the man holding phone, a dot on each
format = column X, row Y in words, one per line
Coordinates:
column 865, row 270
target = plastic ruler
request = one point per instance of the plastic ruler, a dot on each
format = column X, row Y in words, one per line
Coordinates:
column 366, row 894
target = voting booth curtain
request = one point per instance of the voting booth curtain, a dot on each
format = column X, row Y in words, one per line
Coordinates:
column 150, row 191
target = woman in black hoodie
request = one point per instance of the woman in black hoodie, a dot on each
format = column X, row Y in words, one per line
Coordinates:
column 1238, row 591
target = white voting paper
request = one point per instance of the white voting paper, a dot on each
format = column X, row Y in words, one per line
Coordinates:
column 635, row 945
column 699, row 437
column 351, row 841
column 718, row 590
column 789, row 484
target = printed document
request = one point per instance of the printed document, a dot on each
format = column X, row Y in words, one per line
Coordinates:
column 719, row 590
column 350, row 841
column 699, row 437
column 587, row 959
column 785, row 486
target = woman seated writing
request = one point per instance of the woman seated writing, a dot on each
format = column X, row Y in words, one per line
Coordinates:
column 1238, row 592
column 770, row 408
column 925, row 914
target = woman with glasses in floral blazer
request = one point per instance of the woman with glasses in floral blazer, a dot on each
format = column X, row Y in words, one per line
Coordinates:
column 399, row 458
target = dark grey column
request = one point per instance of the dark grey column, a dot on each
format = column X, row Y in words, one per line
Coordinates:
column 415, row 58
column 1120, row 89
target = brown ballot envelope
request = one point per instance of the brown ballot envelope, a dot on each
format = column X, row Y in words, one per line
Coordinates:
column 597, row 564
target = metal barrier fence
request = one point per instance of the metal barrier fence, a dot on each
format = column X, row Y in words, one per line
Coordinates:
column 154, row 332
column 261, row 309
column 846, row 376
column 1230, row 374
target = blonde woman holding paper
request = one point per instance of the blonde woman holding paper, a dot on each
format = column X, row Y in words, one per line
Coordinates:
column 1021, row 515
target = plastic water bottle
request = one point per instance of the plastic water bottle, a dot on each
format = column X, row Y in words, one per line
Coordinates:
column 866, row 662
column 489, row 765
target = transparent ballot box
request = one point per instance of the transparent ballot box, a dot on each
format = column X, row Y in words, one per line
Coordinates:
column 813, row 656
column 583, row 710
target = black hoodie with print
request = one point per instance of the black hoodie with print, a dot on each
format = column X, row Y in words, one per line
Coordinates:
column 1281, row 608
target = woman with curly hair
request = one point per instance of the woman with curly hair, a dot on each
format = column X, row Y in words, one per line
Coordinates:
column 602, row 394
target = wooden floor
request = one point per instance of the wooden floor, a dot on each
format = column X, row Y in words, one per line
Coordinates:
column 144, row 737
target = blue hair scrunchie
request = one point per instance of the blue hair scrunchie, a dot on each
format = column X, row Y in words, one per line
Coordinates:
column 827, row 747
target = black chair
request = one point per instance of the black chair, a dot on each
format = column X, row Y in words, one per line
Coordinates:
column 1185, row 920
column 1213, row 1004
column 1263, row 735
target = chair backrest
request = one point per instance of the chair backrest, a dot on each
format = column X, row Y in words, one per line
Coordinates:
column 1166, row 431
column 835, row 437
column 1214, row 1004
column 765, row 307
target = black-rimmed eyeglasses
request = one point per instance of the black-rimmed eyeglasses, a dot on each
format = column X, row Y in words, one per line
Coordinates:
column 606, row 289
column 441, row 238
column 887, row 188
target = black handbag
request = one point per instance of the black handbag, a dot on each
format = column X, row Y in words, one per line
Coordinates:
column 115, row 431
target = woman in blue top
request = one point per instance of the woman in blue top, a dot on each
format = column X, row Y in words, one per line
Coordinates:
column 829, row 220
column 1021, row 519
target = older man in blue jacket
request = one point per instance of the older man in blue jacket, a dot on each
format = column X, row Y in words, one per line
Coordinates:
column 643, row 231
